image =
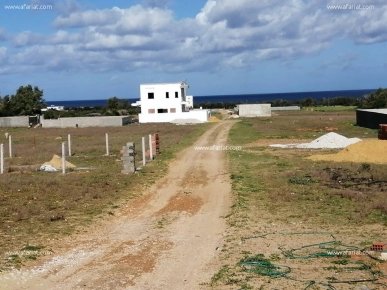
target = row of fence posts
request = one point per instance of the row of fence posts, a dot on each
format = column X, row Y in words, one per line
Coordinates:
column 129, row 148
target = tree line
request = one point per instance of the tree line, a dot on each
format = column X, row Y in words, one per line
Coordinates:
column 29, row 100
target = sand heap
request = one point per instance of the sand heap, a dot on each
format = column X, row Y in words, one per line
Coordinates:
column 363, row 152
column 214, row 119
column 331, row 140
column 56, row 162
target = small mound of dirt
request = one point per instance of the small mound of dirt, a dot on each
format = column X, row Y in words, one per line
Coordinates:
column 214, row 119
column 56, row 162
column 362, row 152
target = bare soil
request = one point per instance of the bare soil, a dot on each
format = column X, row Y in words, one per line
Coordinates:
column 166, row 239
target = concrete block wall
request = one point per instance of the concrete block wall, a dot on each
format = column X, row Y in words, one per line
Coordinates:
column 81, row 122
column 19, row 121
column 254, row 110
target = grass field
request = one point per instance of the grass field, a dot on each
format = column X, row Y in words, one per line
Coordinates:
column 331, row 108
column 283, row 204
column 37, row 208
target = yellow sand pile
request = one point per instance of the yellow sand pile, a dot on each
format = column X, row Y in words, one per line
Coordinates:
column 374, row 151
column 214, row 119
column 56, row 162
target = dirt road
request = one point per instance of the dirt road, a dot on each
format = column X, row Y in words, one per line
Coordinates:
column 167, row 239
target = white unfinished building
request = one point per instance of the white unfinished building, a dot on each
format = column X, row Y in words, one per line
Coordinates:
column 167, row 102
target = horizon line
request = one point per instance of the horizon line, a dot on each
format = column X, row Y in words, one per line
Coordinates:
column 248, row 94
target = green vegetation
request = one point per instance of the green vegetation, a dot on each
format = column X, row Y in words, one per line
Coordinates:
column 286, row 171
column 221, row 276
column 375, row 100
column 28, row 100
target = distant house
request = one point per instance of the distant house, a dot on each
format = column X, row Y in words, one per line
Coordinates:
column 53, row 107
column 166, row 102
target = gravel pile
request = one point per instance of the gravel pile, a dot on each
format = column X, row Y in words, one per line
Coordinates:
column 186, row 121
column 328, row 141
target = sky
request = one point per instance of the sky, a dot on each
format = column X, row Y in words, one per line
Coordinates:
column 83, row 50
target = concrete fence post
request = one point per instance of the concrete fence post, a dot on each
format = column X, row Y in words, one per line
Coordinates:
column 63, row 158
column 150, row 147
column 143, row 151
column 107, row 144
column 10, row 146
column 128, row 158
column 69, row 144
column 1, row 158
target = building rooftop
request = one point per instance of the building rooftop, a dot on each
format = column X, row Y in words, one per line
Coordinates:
column 381, row 111
column 175, row 83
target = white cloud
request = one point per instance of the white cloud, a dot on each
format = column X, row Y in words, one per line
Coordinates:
column 89, row 18
column 223, row 34
column 369, row 27
column 63, row 37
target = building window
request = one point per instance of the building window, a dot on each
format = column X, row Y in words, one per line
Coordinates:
column 160, row 111
column 176, row 94
column 167, row 95
column 151, row 111
column 172, row 110
column 151, row 95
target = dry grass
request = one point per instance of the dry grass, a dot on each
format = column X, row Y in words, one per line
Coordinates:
column 309, row 124
column 277, row 190
column 35, row 206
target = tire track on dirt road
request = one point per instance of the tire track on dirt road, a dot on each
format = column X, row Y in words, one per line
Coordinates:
column 166, row 239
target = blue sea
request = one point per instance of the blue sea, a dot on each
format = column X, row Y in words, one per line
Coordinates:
column 250, row 98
